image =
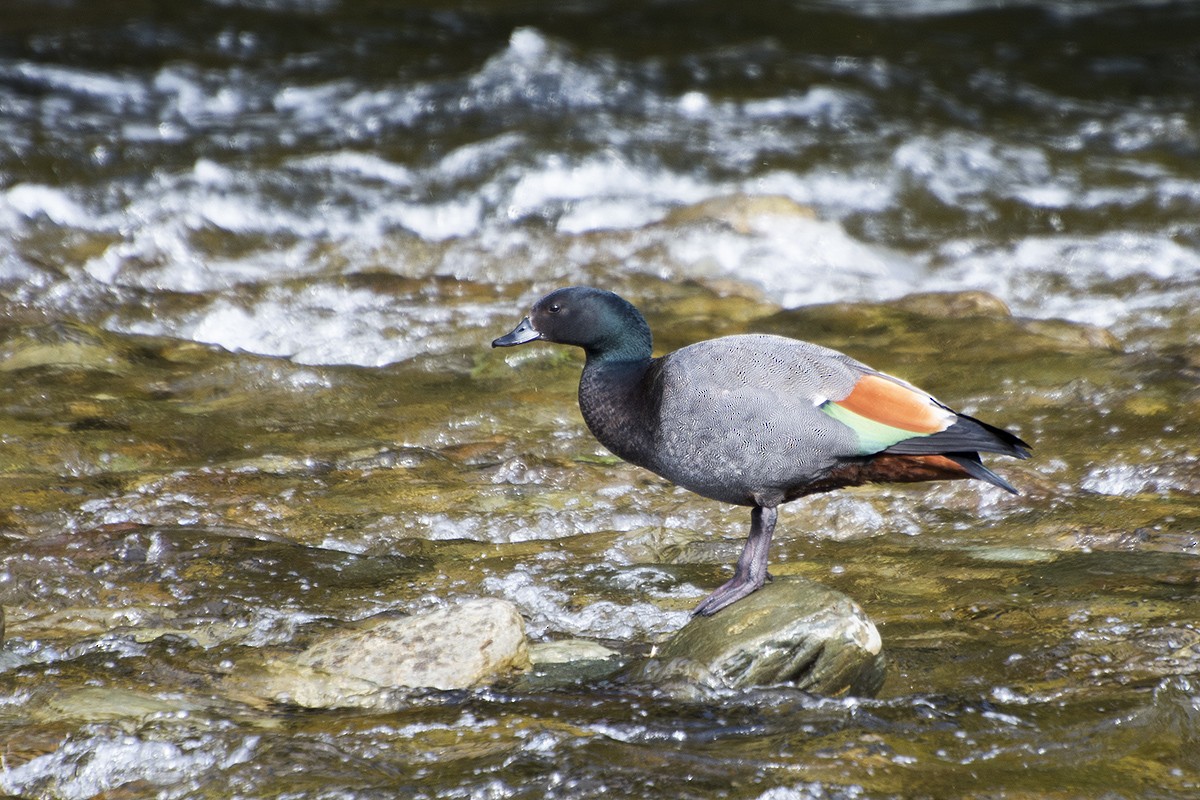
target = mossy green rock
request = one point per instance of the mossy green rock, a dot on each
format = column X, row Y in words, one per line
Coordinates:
column 792, row 631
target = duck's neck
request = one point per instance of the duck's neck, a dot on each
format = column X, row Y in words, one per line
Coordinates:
column 622, row 341
column 616, row 397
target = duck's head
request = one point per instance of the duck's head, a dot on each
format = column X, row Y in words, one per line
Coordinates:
column 602, row 323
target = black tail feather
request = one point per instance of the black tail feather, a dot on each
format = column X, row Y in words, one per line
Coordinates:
column 975, row 468
column 962, row 442
column 966, row 435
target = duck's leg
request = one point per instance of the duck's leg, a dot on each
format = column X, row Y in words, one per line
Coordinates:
column 751, row 571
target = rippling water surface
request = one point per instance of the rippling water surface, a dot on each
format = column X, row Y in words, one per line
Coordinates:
column 251, row 256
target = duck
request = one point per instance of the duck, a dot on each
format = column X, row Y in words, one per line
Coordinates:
column 754, row 419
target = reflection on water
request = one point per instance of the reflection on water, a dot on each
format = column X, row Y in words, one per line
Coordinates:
column 251, row 257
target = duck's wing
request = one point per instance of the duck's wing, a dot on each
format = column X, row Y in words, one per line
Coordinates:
column 804, row 383
column 891, row 416
column 812, row 406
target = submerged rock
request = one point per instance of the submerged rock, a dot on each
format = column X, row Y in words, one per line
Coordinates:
column 105, row 703
column 569, row 662
column 567, row 651
column 742, row 212
column 791, row 631
column 954, row 305
column 61, row 344
column 472, row 643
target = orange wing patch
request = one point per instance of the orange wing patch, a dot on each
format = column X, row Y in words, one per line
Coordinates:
column 896, row 405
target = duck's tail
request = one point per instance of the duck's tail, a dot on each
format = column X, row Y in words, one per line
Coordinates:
column 962, row 443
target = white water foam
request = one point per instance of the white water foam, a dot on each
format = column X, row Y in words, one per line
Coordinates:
column 38, row 201
column 1130, row 480
column 498, row 210
column 959, row 168
column 546, row 608
column 83, row 768
column 1077, row 277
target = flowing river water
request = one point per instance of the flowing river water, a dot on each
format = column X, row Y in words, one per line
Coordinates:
column 252, row 256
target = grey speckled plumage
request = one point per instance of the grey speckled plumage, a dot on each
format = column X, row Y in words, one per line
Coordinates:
column 754, row 420
column 737, row 420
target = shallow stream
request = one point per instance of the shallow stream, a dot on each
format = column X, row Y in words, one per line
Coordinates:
column 252, row 253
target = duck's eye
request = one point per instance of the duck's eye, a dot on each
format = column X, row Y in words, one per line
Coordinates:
column 555, row 308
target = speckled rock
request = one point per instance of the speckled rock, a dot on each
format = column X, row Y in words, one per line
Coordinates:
column 792, row 631
column 469, row 644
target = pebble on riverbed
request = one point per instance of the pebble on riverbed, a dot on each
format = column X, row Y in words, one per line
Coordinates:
column 792, row 631
column 471, row 643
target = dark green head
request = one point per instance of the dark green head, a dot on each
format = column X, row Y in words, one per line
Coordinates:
column 606, row 326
